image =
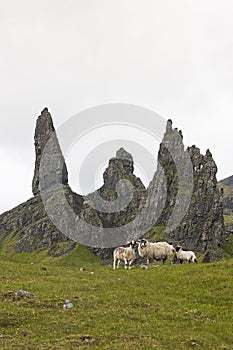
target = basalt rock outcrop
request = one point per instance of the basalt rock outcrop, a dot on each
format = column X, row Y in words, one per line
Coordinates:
column 36, row 225
column 121, row 200
column 123, row 194
column 28, row 226
column 202, row 227
column 46, row 143
column 184, row 191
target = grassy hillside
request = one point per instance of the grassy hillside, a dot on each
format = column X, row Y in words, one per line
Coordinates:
column 164, row 307
column 227, row 185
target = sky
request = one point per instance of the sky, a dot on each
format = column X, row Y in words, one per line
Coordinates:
column 172, row 57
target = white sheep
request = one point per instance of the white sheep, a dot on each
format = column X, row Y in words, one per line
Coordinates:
column 169, row 249
column 185, row 255
column 158, row 251
column 124, row 254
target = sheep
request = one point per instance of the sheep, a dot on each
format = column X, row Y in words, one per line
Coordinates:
column 125, row 254
column 185, row 255
column 170, row 250
column 158, row 251
column 146, row 250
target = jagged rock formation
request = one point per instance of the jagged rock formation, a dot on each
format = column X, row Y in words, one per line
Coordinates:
column 131, row 197
column 46, row 143
column 115, row 204
column 202, row 227
column 121, row 199
column 205, row 214
column 28, row 225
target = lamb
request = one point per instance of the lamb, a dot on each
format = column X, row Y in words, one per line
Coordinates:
column 158, row 251
column 185, row 255
column 124, row 254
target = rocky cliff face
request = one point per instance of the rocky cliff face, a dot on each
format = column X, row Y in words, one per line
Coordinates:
column 28, row 226
column 123, row 194
column 122, row 197
column 202, row 227
column 46, row 143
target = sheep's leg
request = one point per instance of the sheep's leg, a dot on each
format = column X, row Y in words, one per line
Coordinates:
column 181, row 261
column 147, row 260
column 130, row 263
column 126, row 262
column 114, row 264
column 118, row 264
column 172, row 258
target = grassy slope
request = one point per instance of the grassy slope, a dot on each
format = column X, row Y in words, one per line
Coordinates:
column 164, row 307
column 228, row 192
column 227, row 185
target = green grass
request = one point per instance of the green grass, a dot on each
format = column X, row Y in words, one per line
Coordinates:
column 228, row 246
column 156, row 233
column 228, row 219
column 165, row 307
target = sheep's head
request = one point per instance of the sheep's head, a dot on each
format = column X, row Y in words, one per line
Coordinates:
column 133, row 244
column 142, row 242
column 178, row 248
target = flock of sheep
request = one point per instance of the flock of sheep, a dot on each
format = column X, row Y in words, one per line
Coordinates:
column 159, row 251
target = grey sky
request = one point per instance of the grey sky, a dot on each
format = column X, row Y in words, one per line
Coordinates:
column 174, row 57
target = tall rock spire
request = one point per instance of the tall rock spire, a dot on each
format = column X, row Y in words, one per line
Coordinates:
column 202, row 226
column 119, row 168
column 46, row 143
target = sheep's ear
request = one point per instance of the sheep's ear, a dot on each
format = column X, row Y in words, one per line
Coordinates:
column 134, row 243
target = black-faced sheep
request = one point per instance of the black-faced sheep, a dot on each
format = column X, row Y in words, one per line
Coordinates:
column 159, row 251
column 124, row 254
column 185, row 255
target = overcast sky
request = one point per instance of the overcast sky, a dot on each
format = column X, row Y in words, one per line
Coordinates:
column 173, row 57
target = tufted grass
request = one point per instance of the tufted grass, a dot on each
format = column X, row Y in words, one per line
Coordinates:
column 185, row 306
